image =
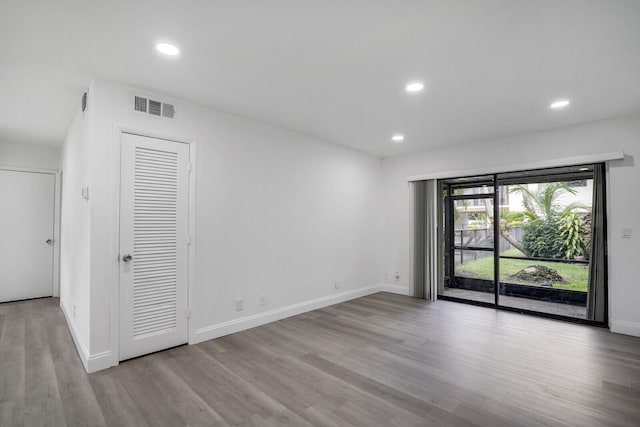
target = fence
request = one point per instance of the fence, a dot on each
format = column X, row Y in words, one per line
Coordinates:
column 480, row 238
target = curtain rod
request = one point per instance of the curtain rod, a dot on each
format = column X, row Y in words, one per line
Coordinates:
column 552, row 163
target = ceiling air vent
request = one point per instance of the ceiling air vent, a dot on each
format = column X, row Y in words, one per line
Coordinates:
column 84, row 101
column 140, row 104
column 155, row 108
column 168, row 110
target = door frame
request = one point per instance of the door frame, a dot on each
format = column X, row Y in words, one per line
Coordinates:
column 114, row 300
column 497, row 182
column 55, row 291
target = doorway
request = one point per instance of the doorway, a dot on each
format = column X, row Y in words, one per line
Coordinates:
column 27, row 214
column 523, row 241
column 154, row 239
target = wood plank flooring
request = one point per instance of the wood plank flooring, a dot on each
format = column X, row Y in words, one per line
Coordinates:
column 381, row 360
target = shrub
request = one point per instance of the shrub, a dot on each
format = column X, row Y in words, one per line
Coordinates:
column 542, row 239
column 585, row 231
column 570, row 226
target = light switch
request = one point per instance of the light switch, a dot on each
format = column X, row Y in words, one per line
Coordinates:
column 626, row 233
column 85, row 193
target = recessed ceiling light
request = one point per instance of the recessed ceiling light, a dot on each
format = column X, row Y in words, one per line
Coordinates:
column 397, row 138
column 583, row 169
column 167, row 49
column 560, row 103
column 414, row 87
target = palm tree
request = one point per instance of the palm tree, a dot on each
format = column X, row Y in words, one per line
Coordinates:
column 541, row 204
column 538, row 205
column 504, row 227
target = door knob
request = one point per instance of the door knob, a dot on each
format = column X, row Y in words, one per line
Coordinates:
column 49, row 241
column 127, row 257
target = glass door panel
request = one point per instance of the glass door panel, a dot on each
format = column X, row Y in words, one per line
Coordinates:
column 471, row 245
column 543, row 265
column 473, row 278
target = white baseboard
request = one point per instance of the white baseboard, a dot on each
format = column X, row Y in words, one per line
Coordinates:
column 395, row 289
column 104, row 360
column 99, row 361
column 83, row 352
column 626, row 328
column 237, row 325
column 91, row 362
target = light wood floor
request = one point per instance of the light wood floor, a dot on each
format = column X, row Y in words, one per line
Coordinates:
column 382, row 360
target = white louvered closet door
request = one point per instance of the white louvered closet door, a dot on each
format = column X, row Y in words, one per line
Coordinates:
column 154, row 218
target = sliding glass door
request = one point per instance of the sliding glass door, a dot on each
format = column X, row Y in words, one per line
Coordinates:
column 470, row 241
column 523, row 241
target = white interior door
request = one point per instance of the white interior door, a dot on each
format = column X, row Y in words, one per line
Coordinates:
column 154, row 217
column 26, row 234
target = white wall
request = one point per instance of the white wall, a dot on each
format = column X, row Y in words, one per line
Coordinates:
column 623, row 197
column 277, row 213
column 75, row 233
column 29, row 156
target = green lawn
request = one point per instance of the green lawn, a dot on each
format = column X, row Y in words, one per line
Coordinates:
column 576, row 275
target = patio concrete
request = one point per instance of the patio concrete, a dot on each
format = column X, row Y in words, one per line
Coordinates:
column 523, row 303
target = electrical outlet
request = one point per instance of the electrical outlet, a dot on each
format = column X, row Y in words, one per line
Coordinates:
column 239, row 304
column 336, row 285
column 626, row 233
column 263, row 300
column 397, row 276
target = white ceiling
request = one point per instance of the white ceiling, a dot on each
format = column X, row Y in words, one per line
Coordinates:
column 334, row 69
